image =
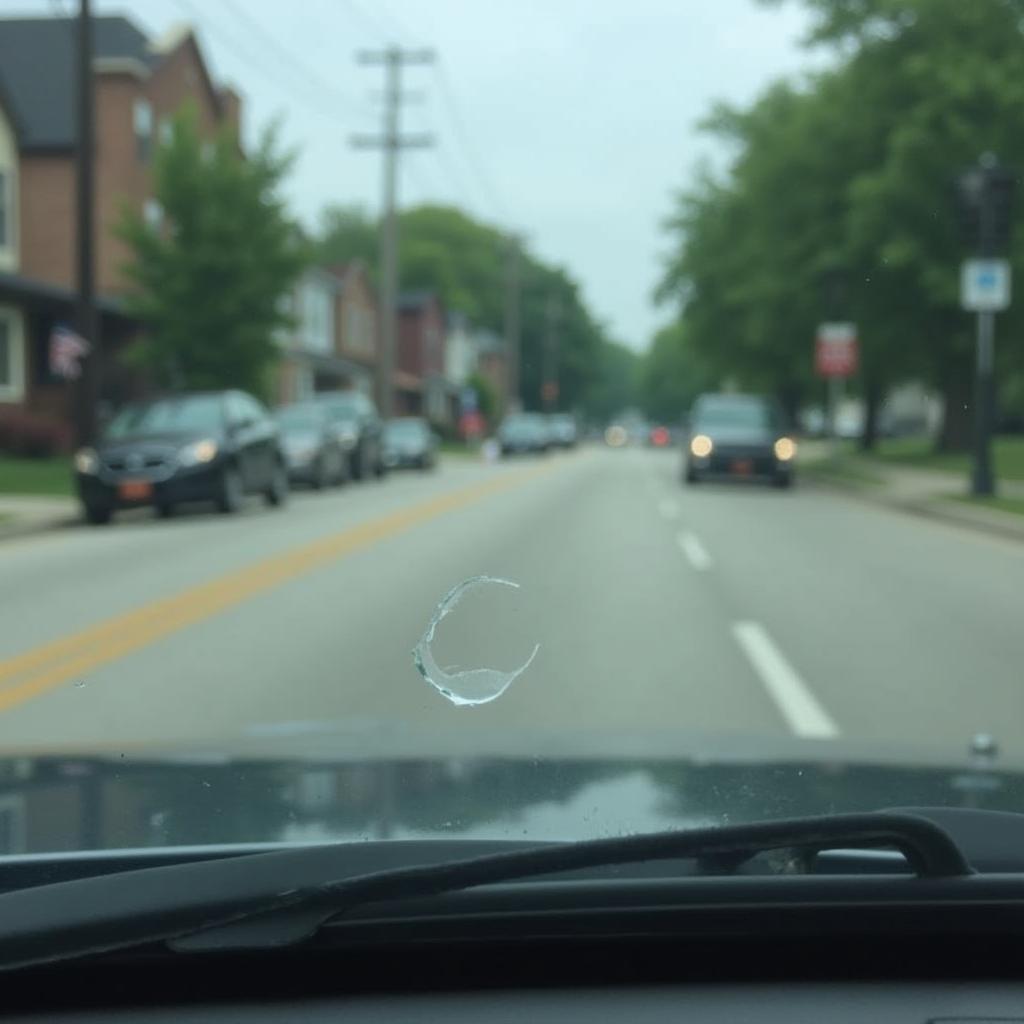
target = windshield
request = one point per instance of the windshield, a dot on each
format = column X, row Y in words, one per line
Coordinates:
column 412, row 430
column 525, row 420
column 300, row 419
column 712, row 414
column 170, row 416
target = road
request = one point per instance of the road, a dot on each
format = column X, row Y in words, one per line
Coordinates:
column 723, row 612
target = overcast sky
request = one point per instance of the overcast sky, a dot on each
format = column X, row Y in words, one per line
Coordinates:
column 570, row 121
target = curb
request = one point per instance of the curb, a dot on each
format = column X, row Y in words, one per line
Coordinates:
column 28, row 526
column 991, row 521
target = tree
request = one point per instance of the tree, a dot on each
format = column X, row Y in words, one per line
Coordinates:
column 445, row 250
column 208, row 279
column 672, row 374
column 847, row 177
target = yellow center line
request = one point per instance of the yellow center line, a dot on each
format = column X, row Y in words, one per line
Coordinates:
column 54, row 663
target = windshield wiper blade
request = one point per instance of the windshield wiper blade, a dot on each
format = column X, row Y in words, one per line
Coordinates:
column 191, row 903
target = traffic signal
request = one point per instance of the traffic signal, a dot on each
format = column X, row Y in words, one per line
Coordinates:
column 984, row 207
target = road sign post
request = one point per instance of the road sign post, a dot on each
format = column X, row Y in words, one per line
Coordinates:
column 835, row 359
column 985, row 193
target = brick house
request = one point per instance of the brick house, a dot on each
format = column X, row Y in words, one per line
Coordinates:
column 139, row 85
column 333, row 342
column 420, row 385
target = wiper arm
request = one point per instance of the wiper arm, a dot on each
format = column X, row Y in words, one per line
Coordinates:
column 190, row 902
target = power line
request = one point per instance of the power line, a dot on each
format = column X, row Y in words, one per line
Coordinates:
column 229, row 41
column 321, row 85
column 471, row 155
column 377, row 27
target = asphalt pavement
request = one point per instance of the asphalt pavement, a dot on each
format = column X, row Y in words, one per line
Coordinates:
column 722, row 611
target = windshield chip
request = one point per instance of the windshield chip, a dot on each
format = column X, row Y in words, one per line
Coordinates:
column 466, row 687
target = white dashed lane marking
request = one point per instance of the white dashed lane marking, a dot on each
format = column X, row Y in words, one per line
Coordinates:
column 791, row 695
column 695, row 552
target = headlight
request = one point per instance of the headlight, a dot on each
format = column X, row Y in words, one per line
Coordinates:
column 198, row 452
column 701, row 446
column 86, row 461
column 785, row 449
column 346, row 434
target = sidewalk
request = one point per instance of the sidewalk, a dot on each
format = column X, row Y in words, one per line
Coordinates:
column 924, row 492
column 24, row 514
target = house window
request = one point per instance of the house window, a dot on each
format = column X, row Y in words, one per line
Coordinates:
column 142, row 122
column 12, row 382
column 153, row 213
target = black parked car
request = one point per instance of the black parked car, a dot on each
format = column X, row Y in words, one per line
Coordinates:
column 409, row 441
column 738, row 436
column 359, row 429
column 204, row 446
column 312, row 448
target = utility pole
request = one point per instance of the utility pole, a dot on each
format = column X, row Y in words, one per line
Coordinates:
column 549, row 375
column 985, row 192
column 393, row 59
column 87, row 386
column 513, row 319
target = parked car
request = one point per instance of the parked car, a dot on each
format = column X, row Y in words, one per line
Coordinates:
column 523, row 432
column 311, row 445
column 409, row 442
column 359, row 429
column 738, row 436
column 562, row 430
column 202, row 446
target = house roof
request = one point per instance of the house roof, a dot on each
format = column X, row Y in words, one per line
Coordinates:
column 37, row 72
column 414, row 301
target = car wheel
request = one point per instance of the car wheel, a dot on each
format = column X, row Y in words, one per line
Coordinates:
column 340, row 469
column 690, row 476
column 232, row 491
column 165, row 510
column 357, row 463
column 97, row 515
column 782, row 480
column 321, row 478
column 276, row 493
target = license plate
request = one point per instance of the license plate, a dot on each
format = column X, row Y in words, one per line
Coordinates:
column 134, row 490
column 742, row 467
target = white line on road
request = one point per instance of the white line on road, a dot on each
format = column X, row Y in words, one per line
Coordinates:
column 669, row 508
column 800, row 708
column 691, row 546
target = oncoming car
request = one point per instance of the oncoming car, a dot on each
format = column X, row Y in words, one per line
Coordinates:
column 739, row 436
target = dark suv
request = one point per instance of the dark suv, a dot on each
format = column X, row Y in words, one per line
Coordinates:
column 359, row 430
column 740, row 436
column 202, row 446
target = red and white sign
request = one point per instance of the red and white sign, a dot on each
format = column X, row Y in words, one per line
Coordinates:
column 835, row 350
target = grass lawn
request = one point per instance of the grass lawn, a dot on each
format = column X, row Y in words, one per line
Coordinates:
column 845, row 466
column 35, row 476
column 1008, row 453
column 1015, row 505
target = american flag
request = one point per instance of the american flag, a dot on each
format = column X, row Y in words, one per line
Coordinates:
column 67, row 349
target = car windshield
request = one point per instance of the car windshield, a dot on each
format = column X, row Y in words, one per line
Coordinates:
column 169, row 416
column 408, row 429
column 669, row 357
column 300, row 418
column 732, row 414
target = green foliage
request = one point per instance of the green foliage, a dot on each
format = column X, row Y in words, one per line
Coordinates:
column 672, row 375
column 847, row 177
column 488, row 402
column 208, row 280
column 615, row 388
column 465, row 262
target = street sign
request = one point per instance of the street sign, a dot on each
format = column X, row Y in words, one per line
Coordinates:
column 468, row 400
column 835, row 350
column 985, row 285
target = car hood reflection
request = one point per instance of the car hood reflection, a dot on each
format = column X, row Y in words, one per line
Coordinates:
column 193, row 797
